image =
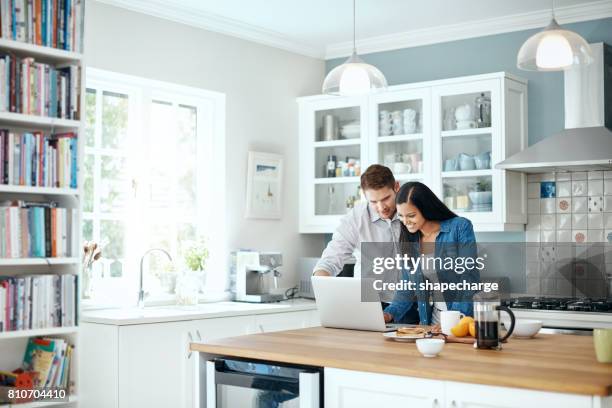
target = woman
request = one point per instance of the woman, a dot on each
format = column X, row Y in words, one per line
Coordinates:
column 431, row 230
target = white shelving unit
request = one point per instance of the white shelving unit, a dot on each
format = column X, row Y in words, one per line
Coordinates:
column 51, row 331
column 50, row 191
column 72, row 400
column 37, row 261
column 419, row 150
column 12, row 343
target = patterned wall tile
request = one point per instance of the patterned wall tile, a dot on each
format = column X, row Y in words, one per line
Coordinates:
column 595, row 187
column 564, row 221
column 564, row 188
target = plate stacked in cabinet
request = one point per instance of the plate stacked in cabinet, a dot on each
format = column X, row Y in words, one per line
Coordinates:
column 41, row 89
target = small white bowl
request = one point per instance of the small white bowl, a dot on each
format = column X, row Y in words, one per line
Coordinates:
column 430, row 347
column 525, row 328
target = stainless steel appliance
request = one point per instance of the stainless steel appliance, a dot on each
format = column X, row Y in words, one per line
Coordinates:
column 564, row 315
column 257, row 276
column 586, row 142
column 244, row 384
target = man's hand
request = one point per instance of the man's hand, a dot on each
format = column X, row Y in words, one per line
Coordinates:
column 388, row 317
column 321, row 272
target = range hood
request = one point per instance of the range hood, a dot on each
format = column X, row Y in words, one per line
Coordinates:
column 586, row 142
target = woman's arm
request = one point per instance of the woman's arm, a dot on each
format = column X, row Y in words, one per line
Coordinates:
column 402, row 302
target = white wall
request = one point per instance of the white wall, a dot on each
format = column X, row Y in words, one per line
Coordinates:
column 260, row 84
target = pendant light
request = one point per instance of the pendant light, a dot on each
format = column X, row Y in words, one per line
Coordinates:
column 553, row 49
column 354, row 76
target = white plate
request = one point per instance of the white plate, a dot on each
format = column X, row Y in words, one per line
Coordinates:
column 410, row 338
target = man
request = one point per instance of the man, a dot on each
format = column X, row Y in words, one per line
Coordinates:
column 375, row 220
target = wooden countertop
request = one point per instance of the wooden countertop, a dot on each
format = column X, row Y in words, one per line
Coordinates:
column 549, row 362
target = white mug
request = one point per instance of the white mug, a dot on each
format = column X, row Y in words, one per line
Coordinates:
column 448, row 320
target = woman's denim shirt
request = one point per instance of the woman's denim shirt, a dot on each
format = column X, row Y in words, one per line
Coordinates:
column 455, row 239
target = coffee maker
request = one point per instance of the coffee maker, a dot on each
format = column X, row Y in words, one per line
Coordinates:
column 256, row 275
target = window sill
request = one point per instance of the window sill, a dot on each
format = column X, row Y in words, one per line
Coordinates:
column 159, row 300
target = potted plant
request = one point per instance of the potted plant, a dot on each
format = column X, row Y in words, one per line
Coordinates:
column 195, row 255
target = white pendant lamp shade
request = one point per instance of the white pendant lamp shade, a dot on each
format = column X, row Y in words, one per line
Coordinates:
column 354, row 77
column 553, row 49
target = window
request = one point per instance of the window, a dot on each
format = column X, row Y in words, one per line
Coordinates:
column 153, row 177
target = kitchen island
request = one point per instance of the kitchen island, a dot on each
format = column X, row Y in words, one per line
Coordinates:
column 363, row 368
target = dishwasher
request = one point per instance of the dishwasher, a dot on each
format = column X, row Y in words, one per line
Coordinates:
column 232, row 383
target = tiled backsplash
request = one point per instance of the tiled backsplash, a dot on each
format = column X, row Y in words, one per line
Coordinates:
column 570, row 216
column 569, row 207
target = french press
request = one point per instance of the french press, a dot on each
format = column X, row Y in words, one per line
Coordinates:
column 486, row 317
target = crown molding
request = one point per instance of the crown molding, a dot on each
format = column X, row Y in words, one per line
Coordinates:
column 472, row 29
column 216, row 23
column 414, row 38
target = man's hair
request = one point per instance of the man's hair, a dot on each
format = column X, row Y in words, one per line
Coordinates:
column 377, row 177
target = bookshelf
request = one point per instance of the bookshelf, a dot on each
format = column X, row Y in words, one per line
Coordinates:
column 13, row 343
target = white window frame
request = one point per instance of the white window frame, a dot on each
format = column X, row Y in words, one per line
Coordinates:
column 211, row 170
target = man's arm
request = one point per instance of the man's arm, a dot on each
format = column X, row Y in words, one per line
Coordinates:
column 340, row 248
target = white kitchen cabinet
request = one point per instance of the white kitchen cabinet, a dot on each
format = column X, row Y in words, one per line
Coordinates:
column 153, row 365
column 406, row 146
column 463, row 395
column 150, row 365
column 286, row 321
column 428, row 150
column 357, row 389
column 325, row 198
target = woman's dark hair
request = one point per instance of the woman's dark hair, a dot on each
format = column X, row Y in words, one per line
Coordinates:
column 419, row 195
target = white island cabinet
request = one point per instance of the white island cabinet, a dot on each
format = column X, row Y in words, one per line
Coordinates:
column 147, row 364
column 414, row 129
column 358, row 389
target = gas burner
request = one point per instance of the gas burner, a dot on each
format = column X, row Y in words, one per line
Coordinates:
column 590, row 305
column 569, row 304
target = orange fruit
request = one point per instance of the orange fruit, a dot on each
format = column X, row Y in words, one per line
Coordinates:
column 473, row 329
column 466, row 319
column 461, row 329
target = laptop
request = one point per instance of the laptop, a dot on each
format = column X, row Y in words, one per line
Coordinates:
column 340, row 305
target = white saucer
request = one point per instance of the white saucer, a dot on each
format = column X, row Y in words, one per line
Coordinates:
column 406, row 339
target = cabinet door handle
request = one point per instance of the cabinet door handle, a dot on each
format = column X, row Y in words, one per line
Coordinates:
column 190, row 341
column 434, row 403
column 455, row 405
column 199, row 336
column 261, row 329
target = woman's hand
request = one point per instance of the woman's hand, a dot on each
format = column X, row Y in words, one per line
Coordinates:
column 436, row 328
column 388, row 317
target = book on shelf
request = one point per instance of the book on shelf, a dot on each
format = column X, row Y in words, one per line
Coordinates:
column 34, row 88
column 37, row 302
column 50, row 359
column 50, row 23
column 37, row 230
column 38, row 159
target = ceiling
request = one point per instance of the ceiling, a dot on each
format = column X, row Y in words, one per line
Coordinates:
column 323, row 28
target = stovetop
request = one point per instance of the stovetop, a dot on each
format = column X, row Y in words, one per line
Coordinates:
column 565, row 304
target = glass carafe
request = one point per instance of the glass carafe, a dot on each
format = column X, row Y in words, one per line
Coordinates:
column 488, row 325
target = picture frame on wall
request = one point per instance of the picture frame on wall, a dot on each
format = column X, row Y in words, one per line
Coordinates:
column 264, row 186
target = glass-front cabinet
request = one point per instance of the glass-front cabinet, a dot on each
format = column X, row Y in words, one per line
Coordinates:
column 332, row 156
column 467, row 126
column 400, row 130
column 448, row 134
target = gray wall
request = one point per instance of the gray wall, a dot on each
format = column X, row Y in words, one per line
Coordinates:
column 260, row 84
column 488, row 54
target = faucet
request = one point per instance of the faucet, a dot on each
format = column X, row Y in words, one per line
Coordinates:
column 141, row 294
